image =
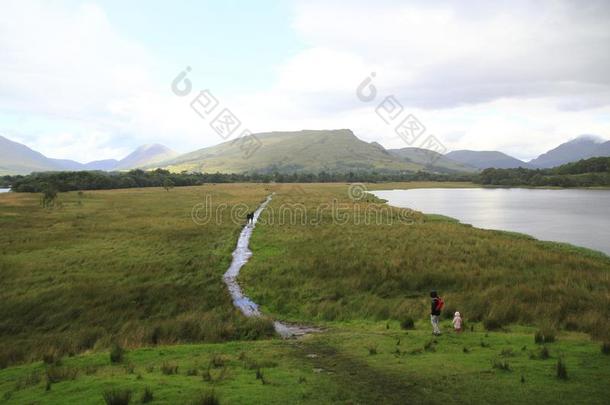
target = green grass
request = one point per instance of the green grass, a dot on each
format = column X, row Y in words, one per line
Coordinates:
column 129, row 269
column 336, row 366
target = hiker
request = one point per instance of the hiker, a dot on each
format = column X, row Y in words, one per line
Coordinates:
column 457, row 322
column 435, row 312
column 250, row 218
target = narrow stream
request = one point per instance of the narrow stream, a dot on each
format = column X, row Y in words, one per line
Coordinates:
column 249, row 308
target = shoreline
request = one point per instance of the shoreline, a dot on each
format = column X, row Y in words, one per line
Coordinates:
column 443, row 217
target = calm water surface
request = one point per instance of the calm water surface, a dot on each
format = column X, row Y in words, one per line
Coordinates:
column 579, row 217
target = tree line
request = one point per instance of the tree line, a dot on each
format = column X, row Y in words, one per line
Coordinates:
column 99, row 180
column 584, row 173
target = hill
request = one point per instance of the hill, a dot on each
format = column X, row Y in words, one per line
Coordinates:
column 145, row 155
column 426, row 157
column 301, row 151
column 16, row 158
column 485, row 159
column 583, row 147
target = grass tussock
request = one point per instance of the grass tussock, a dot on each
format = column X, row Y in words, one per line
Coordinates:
column 169, row 368
column 116, row 396
column 117, row 354
column 207, row 398
column 561, row 370
column 57, row 374
column 147, row 395
column 544, row 336
column 501, row 364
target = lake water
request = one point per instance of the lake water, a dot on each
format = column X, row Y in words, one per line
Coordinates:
column 579, row 217
column 4, row 190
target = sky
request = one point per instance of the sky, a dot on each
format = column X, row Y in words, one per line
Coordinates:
column 90, row 80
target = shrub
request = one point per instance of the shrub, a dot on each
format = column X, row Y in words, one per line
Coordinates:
column 191, row 372
column 372, row 348
column 208, row 398
column 407, row 323
column 147, row 396
column 117, row 353
column 508, row 352
column 465, row 350
column 562, row 372
column 169, row 368
column 117, row 396
column 605, row 348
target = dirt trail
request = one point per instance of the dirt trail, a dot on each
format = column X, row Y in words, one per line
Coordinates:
column 249, row 308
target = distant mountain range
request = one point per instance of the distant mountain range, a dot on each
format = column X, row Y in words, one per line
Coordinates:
column 301, row 151
column 16, row 158
column 582, row 147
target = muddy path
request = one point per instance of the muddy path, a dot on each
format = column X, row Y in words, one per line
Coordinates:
column 249, row 308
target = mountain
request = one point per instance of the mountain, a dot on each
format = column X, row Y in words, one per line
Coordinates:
column 16, row 158
column 583, row 147
column 485, row 159
column 145, row 155
column 300, row 151
column 433, row 161
column 106, row 165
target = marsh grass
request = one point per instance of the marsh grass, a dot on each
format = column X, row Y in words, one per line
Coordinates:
column 128, row 266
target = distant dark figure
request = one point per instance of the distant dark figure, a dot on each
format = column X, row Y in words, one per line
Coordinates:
column 250, row 218
column 437, row 305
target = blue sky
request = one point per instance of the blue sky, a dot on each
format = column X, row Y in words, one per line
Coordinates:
column 92, row 79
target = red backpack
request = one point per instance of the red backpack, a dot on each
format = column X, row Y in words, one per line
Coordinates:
column 440, row 304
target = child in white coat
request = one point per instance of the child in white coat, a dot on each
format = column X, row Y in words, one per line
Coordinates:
column 457, row 322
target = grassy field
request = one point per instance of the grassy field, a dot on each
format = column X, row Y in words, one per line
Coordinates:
column 132, row 267
column 125, row 265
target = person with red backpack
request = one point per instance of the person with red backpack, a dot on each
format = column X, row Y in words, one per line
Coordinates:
column 435, row 312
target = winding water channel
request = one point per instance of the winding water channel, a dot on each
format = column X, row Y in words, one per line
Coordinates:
column 249, row 308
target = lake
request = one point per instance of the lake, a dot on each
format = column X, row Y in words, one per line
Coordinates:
column 579, row 217
column 4, row 190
